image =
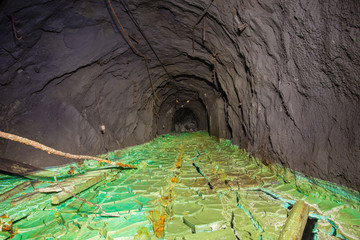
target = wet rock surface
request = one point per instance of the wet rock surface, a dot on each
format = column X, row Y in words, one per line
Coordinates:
column 279, row 78
column 189, row 186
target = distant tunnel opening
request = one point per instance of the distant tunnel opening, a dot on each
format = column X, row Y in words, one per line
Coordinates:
column 184, row 120
column 186, row 106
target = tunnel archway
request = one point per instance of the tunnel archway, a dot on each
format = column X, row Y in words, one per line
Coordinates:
column 189, row 96
column 184, row 120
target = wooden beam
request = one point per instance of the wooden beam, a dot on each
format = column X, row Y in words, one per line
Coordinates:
column 295, row 224
column 15, row 190
column 81, row 183
column 15, row 167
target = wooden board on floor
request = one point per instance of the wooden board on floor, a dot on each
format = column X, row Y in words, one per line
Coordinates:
column 15, row 167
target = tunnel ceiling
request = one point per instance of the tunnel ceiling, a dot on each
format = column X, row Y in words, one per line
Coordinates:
column 278, row 78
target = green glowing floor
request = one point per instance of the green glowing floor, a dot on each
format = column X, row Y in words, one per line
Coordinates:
column 189, row 186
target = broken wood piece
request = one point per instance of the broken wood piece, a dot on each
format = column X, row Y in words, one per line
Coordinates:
column 242, row 27
column 78, row 187
column 24, row 198
column 19, row 188
column 53, row 188
column 295, row 224
column 15, row 167
column 68, row 182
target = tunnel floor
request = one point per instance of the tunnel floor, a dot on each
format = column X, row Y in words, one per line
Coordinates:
column 187, row 186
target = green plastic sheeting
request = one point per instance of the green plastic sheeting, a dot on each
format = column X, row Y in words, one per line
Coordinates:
column 186, row 186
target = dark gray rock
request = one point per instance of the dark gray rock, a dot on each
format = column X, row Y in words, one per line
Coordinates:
column 285, row 88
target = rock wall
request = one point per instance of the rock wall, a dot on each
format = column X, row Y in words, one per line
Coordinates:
column 70, row 73
column 279, row 78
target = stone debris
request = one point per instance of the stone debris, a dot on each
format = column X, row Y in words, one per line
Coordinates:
column 189, row 186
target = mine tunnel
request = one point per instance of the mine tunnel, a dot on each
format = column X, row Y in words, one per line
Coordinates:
column 185, row 121
column 219, row 116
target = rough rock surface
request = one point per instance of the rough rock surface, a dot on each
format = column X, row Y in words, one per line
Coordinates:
column 286, row 87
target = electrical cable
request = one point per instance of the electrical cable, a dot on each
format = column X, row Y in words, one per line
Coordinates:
column 133, row 47
column 142, row 33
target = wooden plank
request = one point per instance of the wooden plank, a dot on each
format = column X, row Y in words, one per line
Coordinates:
column 68, row 183
column 295, row 224
column 15, row 167
column 54, row 188
column 78, row 186
column 19, row 188
column 25, row 198
column 74, row 184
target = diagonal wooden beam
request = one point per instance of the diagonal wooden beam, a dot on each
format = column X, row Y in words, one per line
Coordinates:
column 15, row 167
